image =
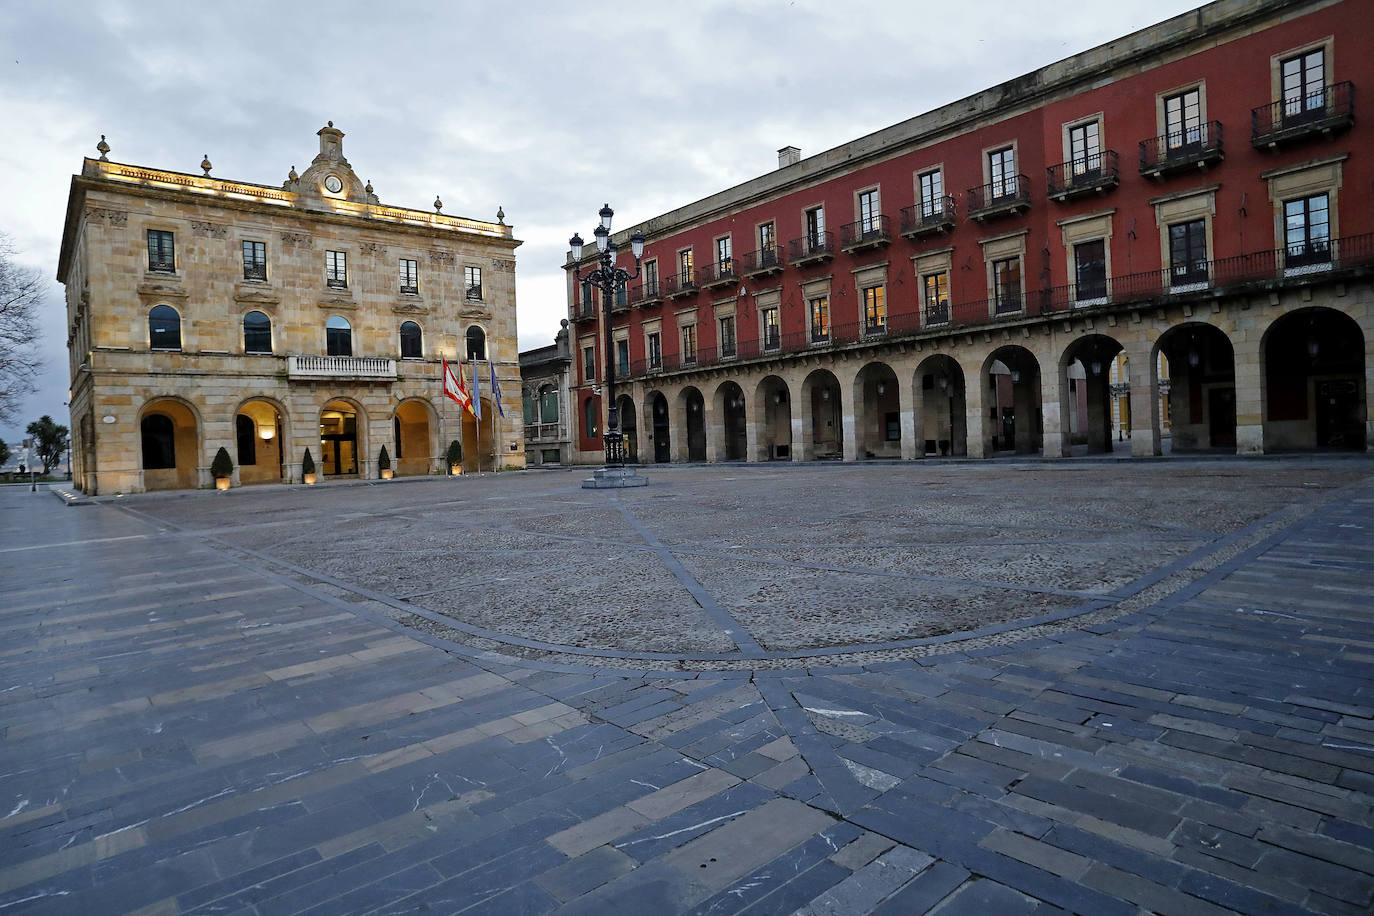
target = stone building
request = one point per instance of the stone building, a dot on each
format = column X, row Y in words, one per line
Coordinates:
column 1194, row 197
column 207, row 313
column 545, row 377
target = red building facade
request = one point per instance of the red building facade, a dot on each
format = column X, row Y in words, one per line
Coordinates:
column 1195, row 196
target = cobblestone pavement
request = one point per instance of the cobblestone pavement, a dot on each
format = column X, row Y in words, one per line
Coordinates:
column 986, row 687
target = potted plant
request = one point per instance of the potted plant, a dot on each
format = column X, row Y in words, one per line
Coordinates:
column 454, row 457
column 384, row 464
column 222, row 469
column 308, row 469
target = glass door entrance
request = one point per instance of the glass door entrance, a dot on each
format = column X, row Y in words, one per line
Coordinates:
column 338, row 442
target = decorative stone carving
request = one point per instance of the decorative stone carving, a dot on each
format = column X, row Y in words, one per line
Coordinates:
column 503, row 265
column 441, row 258
column 114, row 218
column 297, row 240
column 375, row 249
column 208, row 230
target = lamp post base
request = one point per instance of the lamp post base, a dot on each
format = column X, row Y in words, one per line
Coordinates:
column 614, row 479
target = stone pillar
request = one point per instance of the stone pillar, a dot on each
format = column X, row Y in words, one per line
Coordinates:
column 978, row 429
column 1146, row 422
column 908, row 403
column 1099, row 411
column 1249, row 406
column 751, row 432
column 677, row 431
column 800, row 440
column 715, row 431
column 1055, row 405
column 848, row 428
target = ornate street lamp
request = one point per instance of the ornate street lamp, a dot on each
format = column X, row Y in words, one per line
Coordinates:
column 606, row 277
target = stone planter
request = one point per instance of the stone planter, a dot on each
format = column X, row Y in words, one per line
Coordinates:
column 222, row 483
column 309, row 480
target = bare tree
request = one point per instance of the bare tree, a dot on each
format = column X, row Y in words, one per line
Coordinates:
column 21, row 291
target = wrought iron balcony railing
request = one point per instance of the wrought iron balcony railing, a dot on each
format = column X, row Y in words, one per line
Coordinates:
column 812, row 248
column 1097, row 173
column 1322, row 111
column 1006, row 197
column 937, row 313
column 161, row 265
column 1190, row 148
column 928, row 217
column 683, row 283
column 336, row 283
column 874, row 232
column 720, row 273
column 255, row 271
column 761, row 262
column 647, row 293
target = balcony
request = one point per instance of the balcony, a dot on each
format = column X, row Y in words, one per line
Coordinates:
column 761, row 263
column 680, row 285
column 1095, row 174
column 772, row 338
column 544, row 432
column 931, row 217
column 815, row 248
column 937, row 313
column 997, row 199
column 327, row 368
column 1322, row 112
column 866, row 234
column 717, row 275
column 254, row 271
column 583, row 311
column 1182, row 150
column 161, row 265
column 646, row 294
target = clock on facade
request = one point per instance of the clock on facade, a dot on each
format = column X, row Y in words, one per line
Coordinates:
column 333, row 185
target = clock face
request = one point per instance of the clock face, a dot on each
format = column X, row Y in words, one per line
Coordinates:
column 333, row 185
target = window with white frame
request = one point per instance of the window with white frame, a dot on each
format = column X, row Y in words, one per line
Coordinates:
column 1183, row 121
column 870, row 211
column 1085, row 149
column 1006, row 276
column 932, row 193
column 1188, row 253
column 1304, row 84
column 875, row 309
column 1090, row 272
column 689, row 344
column 772, row 330
column 654, row 345
column 1001, row 173
column 1307, row 231
column 935, row 290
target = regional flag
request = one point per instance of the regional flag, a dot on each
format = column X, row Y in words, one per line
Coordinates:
column 496, row 389
column 476, row 405
column 454, row 388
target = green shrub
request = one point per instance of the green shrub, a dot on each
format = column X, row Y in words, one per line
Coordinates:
column 454, row 455
column 383, row 460
column 222, row 466
column 307, row 463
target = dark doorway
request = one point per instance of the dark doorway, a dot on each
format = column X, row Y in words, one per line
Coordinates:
column 1338, row 414
column 1221, row 417
column 662, row 442
column 339, row 442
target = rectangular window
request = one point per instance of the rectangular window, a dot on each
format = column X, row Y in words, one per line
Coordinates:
column 869, row 210
column 815, row 227
column 588, row 302
column 875, row 309
column 1183, row 121
column 1085, row 149
column 689, row 345
column 651, row 279
column 336, row 269
column 622, row 296
column 932, row 193
column 1006, row 275
column 548, row 405
column 1090, row 271
column 684, row 267
column 1304, row 83
column 727, row 336
column 820, row 318
column 622, row 357
column 1001, row 173
column 723, row 254
column 161, row 253
column 410, row 275
column 768, row 237
column 936, row 289
column 255, row 260
column 655, row 351
column 1188, row 253
column 588, row 364
column 772, row 331
column 472, row 281
column 1307, row 231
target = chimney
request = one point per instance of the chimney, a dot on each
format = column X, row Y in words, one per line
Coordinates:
column 788, row 155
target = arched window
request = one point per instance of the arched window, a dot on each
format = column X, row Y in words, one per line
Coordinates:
column 164, row 328
column 477, row 343
column 591, row 411
column 410, row 340
column 245, row 431
column 338, row 337
column 257, row 333
column 159, row 442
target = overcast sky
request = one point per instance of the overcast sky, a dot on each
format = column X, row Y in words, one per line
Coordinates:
column 547, row 110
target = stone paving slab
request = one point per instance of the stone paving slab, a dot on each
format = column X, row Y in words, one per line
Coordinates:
column 201, row 712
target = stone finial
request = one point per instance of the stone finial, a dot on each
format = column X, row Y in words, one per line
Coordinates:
column 291, row 175
column 205, row 164
column 438, row 204
column 563, row 323
column 103, row 148
column 500, row 216
column 330, row 123
column 368, row 187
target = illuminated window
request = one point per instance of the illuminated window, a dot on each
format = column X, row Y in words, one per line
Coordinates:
column 1006, row 276
column 772, row 331
column 875, row 309
column 723, row 254
column 768, row 237
column 936, row 289
column 820, row 318
column 684, row 266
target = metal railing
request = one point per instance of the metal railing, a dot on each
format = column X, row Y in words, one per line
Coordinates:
column 1084, row 175
column 1011, row 193
column 717, row 273
column 680, row 284
column 336, row 283
column 876, row 230
column 813, row 246
column 161, row 265
column 1328, row 108
column 1206, row 278
column 764, row 260
column 645, row 292
column 935, row 215
column 539, row 431
column 1180, row 149
column 258, row 272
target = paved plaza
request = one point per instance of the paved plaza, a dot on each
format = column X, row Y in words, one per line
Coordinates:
column 973, row 687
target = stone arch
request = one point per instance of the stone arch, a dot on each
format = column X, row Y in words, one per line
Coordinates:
column 629, row 426
column 877, row 412
column 269, row 432
column 731, row 428
column 1011, row 377
column 1083, row 386
column 939, row 398
column 170, row 456
column 660, row 427
column 771, row 414
column 693, row 407
column 479, row 439
column 823, row 422
column 414, row 434
column 343, row 438
column 1193, row 380
column 1312, row 374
